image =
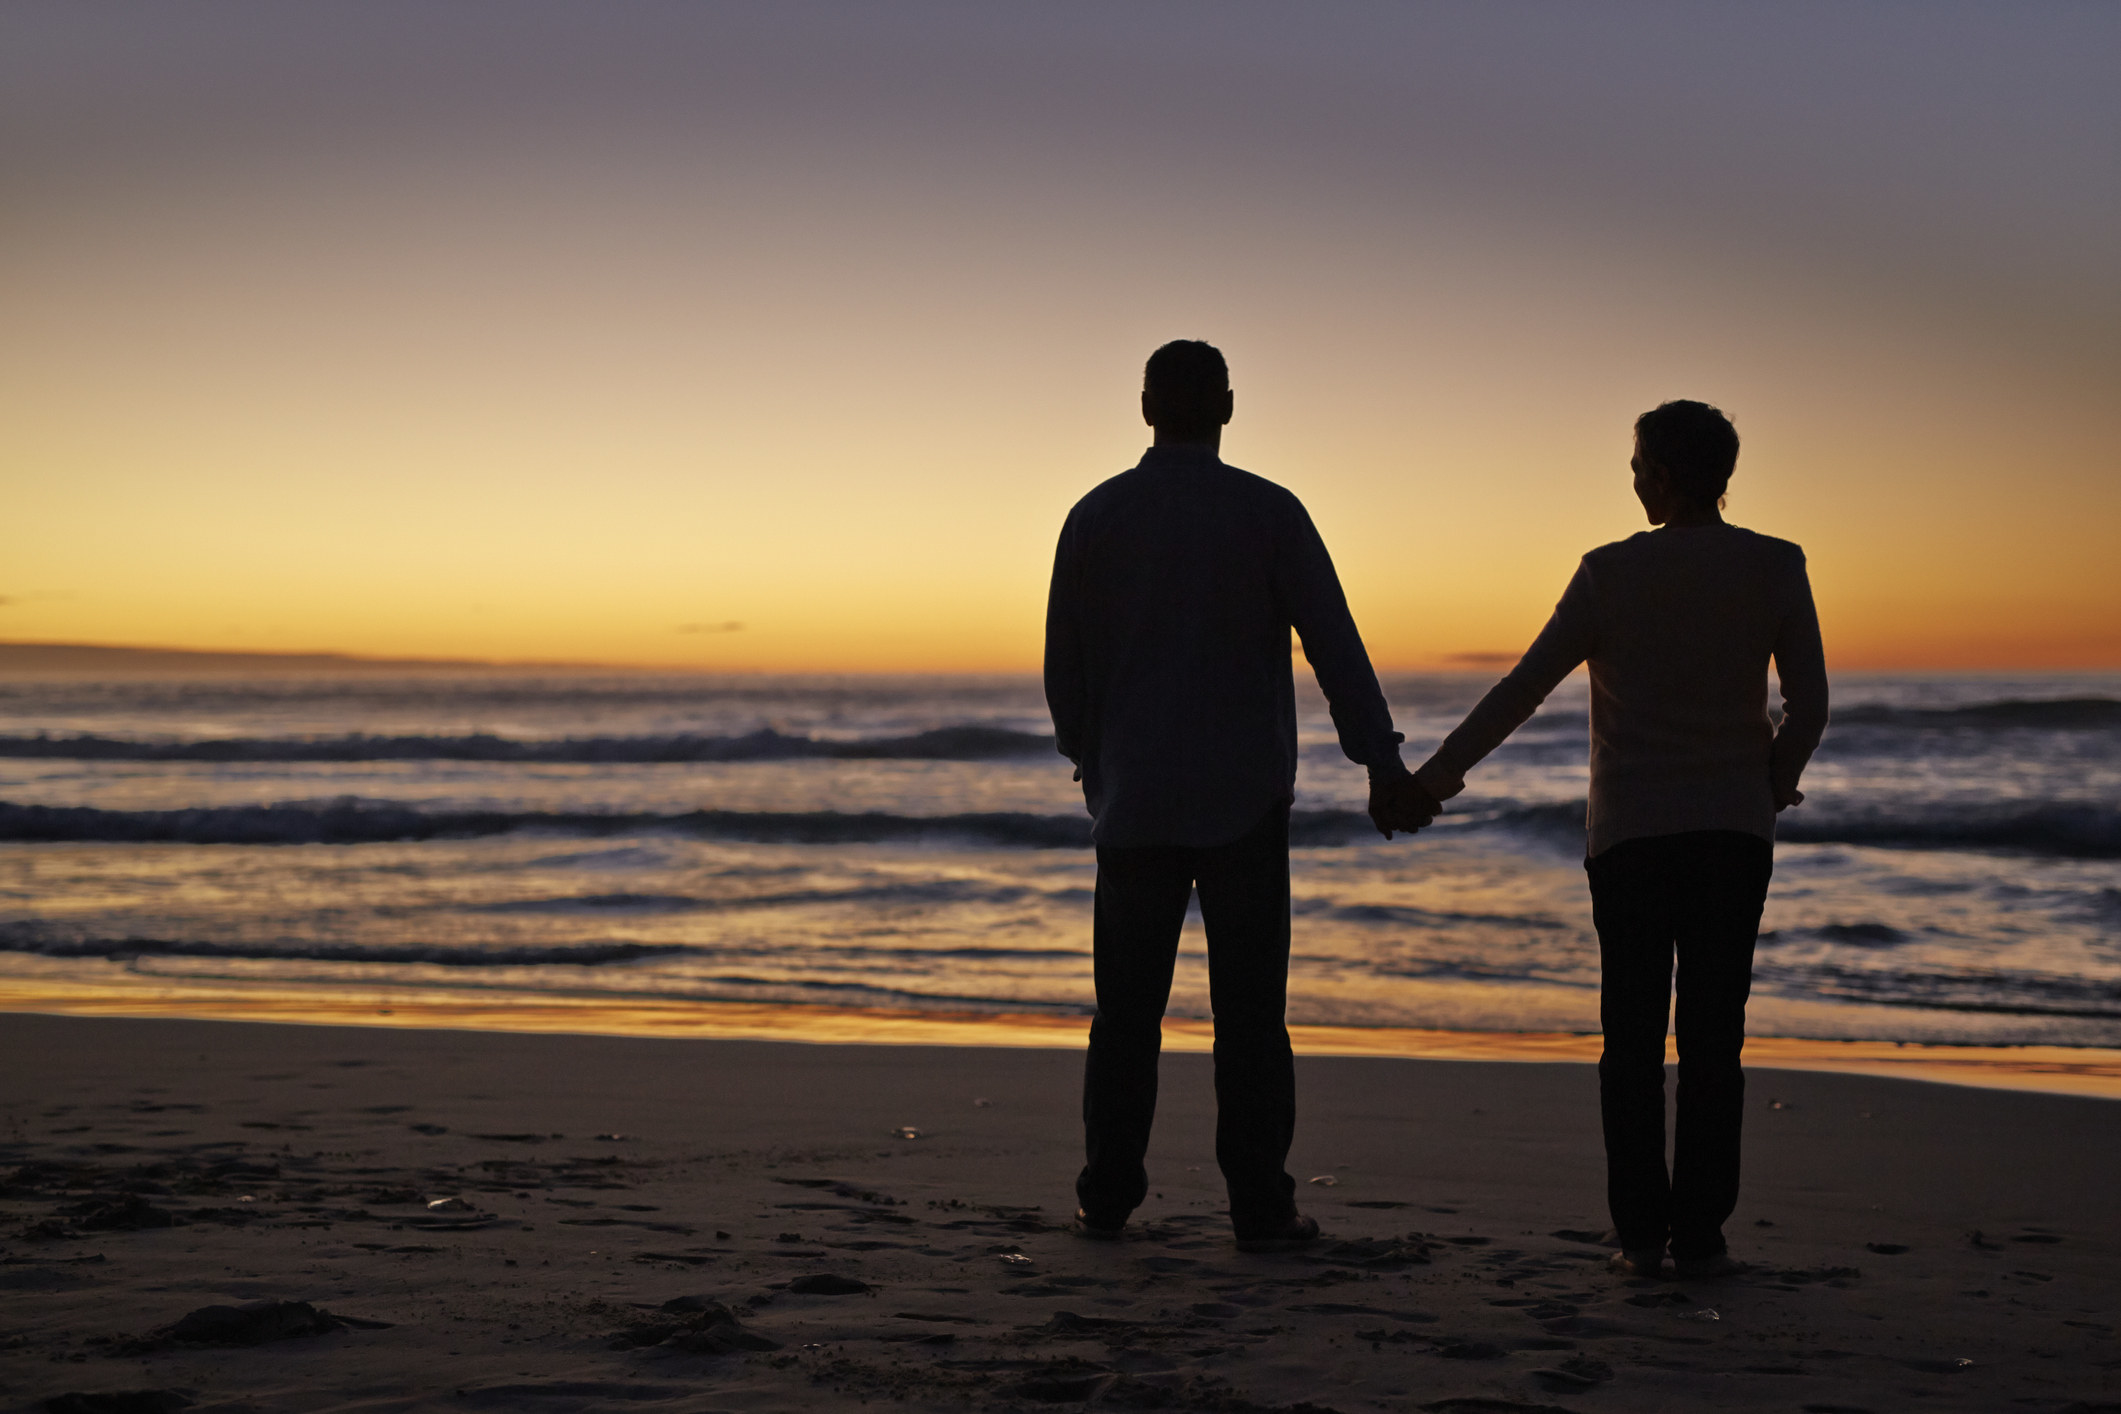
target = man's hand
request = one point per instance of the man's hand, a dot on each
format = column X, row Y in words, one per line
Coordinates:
column 1401, row 803
column 1786, row 796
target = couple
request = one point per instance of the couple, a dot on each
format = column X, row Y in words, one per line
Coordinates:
column 1175, row 588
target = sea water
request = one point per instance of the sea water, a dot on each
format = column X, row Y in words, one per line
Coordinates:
column 915, row 843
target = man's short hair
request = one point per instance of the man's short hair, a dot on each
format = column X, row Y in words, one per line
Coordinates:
column 1187, row 379
column 1694, row 443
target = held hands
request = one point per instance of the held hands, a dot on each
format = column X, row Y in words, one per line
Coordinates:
column 1401, row 803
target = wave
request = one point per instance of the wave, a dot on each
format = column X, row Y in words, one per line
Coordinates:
column 381, row 822
column 45, row 941
column 1855, row 935
column 31, row 940
column 2000, row 992
column 960, row 743
column 2057, row 714
column 2069, row 830
column 923, row 892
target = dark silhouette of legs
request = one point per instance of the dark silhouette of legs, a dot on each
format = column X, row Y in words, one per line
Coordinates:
column 1244, row 903
column 1141, row 906
column 1699, row 896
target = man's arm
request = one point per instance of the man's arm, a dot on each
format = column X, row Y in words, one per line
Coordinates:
column 1800, row 664
column 1318, row 610
column 1311, row 593
column 1067, row 682
column 1568, row 639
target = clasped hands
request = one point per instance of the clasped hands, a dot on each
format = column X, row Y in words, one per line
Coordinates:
column 1401, row 803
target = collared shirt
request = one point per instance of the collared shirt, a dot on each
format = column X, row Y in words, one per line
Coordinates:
column 1175, row 587
column 1678, row 626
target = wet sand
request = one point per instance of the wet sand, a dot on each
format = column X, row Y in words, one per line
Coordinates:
column 739, row 1225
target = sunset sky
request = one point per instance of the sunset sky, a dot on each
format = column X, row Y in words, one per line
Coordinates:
column 586, row 331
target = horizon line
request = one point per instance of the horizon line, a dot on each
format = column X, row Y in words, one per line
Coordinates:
column 63, row 657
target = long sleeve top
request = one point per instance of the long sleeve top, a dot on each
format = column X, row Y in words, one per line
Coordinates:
column 1678, row 625
column 1175, row 586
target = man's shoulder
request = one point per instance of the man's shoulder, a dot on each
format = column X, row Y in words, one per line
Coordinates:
column 1271, row 493
column 1212, row 477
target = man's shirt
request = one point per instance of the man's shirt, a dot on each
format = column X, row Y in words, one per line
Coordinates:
column 1167, row 650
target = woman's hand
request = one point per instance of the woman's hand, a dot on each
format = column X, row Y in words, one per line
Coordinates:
column 1401, row 804
column 1786, row 796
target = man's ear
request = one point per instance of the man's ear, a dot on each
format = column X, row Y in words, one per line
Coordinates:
column 1229, row 405
column 1148, row 408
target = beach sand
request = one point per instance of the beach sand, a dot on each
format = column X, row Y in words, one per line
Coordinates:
column 1922, row 1246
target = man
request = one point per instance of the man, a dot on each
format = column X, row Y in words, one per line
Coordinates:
column 1174, row 591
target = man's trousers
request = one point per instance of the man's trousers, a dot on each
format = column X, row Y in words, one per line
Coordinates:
column 1141, row 906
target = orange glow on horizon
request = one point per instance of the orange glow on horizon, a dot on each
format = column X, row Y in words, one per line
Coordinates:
column 813, row 329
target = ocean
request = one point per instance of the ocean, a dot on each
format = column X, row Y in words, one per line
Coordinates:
column 915, row 844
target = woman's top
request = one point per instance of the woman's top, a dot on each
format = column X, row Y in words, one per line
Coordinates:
column 1678, row 625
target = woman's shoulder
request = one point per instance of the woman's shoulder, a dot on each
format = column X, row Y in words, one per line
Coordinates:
column 1767, row 547
column 1722, row 538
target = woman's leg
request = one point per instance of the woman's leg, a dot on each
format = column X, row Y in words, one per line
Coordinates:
column 1631, row 904
column 1725, row 885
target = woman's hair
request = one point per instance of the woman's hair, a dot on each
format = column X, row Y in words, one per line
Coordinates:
column 1694, row 443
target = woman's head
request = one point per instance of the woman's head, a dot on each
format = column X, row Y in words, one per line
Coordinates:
column 1684, row 454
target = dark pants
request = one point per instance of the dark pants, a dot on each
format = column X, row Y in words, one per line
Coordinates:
column 1699, row 894
column 1141, row 905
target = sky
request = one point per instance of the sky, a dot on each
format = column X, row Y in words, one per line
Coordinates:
column 782, row 337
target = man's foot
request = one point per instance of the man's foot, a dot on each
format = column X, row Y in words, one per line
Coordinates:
column 1645, row 1264
column 1723, row 1264
column 1096, row 1229
column 1291, row 1233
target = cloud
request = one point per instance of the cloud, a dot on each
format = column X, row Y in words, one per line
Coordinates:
column 730, row 627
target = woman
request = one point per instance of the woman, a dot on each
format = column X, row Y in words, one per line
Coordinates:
column 1687, row 775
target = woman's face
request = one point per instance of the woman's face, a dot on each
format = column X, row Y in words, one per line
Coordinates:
column 1652, row 487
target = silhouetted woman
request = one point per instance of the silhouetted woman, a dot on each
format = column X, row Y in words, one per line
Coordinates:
column 1687, row 774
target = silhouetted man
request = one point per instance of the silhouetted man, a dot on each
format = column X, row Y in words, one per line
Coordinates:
column 1167, row 671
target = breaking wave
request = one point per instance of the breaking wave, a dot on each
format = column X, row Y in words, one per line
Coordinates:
column 2064, row 829
column 2057, row 714
column 38, row 942
column 960, row 743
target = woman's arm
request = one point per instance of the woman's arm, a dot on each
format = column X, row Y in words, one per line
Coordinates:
column 1800, row 665
column 1566, row 641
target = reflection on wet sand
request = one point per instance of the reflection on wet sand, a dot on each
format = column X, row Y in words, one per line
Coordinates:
column 2072, row 1070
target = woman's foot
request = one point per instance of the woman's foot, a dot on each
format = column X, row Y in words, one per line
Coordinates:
column 1293, row 1232
column 1098, row 1230
column 1644, row 1264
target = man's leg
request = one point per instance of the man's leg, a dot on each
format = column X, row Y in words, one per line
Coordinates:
column 1726, row 884
column 1244, row 901
column 1141, row 905
column 1631, row 907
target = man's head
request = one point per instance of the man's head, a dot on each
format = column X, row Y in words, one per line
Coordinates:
column 1691, row 447
column 1186, row 392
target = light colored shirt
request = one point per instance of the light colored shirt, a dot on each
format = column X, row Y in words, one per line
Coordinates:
column 1678, row 625
column 1175, row 586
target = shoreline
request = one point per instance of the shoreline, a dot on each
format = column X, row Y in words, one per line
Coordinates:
column 2046, row 1069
